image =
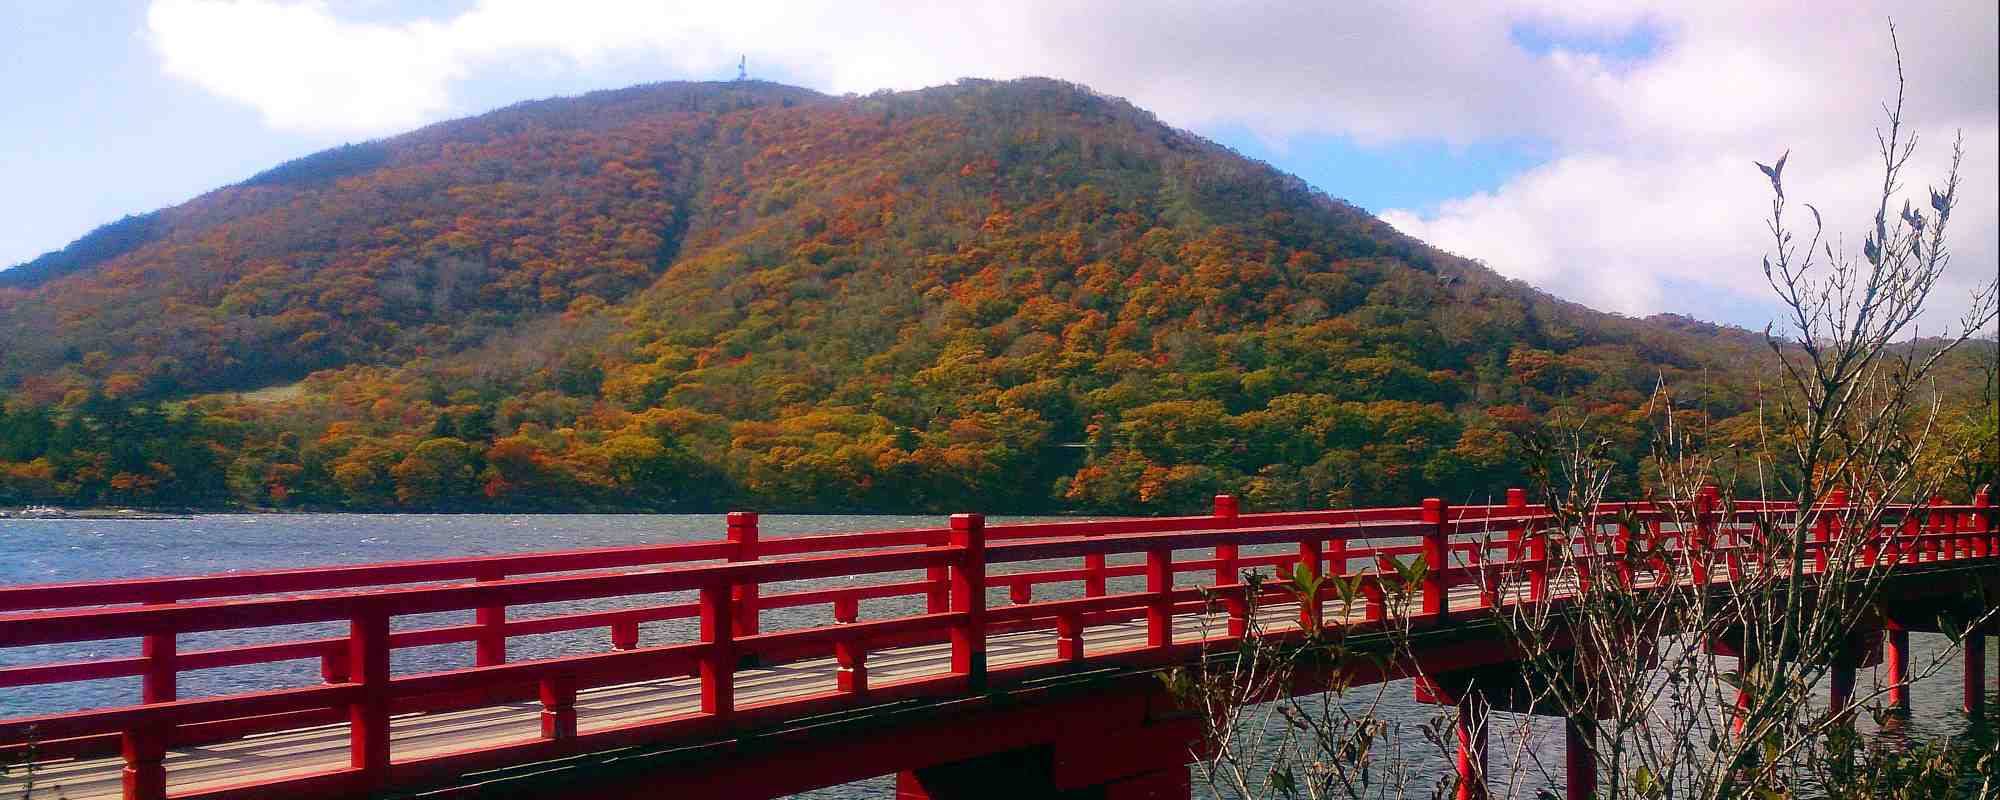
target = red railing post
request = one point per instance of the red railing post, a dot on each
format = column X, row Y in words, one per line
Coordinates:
column 1822, row 535
column 743, row 533
column 1703, row 542
column 1225, row 554
column 1437, row 599
column 937, row 594
column 558, row 707
column 1237, row 607
column 1537, row 546
column 1093, row 573
column 718, row 664
column 1020, row 593
column 159, row 684
column 368, row 717
column 846, row 609
column 145, row 752
column 1983, row 542
column 1069, row 637
column 333, row 666
column 1310, row 558
column 625, row 635
column 1160, row 606
column 1579, row 760
column 968, row 597
column 852, row 676
column 490, row 649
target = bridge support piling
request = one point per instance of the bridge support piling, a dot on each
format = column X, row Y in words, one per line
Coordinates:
column 1472, row 725
column 1840, row 689
column 1896, row 654
column 1975, row 673
column 1579, row 760
column 1148, row 762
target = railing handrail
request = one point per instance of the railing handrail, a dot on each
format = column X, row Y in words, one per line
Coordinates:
column 368, row 595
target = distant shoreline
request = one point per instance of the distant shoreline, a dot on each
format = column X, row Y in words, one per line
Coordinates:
column 47, row 512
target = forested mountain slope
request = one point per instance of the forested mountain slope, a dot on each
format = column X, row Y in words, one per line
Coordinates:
column 1007, row 296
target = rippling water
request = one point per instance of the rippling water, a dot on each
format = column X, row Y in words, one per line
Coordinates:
column 37, row 551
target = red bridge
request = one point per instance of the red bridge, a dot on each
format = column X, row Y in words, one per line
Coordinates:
column 1049, row 697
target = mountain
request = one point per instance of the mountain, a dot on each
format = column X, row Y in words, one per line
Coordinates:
column 1005, row 295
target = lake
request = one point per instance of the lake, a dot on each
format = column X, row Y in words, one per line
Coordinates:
column 39, row 551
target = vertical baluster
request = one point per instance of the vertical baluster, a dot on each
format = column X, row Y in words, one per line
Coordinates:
column 1537, row 546
column 718, row 663
column 1310, row 616
column 968, row 597
column 144, row 748
column 1160, row 606
column 490, row 648
column 1437, row 600
column 743, row 534
column 558, row 708
column 852, row 656
column 625, row 635
column 159, row 684
column 1069, row 636
column 368, row 716
column 1336, row 562
column 1093, row 572
column 1986, row 540
column 1703, row 536
column 1225, row 513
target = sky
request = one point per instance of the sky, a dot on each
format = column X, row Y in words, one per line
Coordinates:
column 1602, row 151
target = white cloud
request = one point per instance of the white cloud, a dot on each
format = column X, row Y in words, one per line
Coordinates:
column 1650, row 190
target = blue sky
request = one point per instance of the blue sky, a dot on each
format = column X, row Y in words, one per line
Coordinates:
column 1551, row 140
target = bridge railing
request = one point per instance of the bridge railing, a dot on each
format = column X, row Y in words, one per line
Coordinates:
column 1461, row 546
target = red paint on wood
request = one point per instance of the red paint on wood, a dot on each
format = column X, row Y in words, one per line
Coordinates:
column 1896, row 652
column 718, row 664
column 742, row 533
column 368, row 716
column 1579, row 760
column 558, row 695
column 1225, row 512
column 145, row 751
column 1159, row 609
column 968, row 597
column 1436, row 598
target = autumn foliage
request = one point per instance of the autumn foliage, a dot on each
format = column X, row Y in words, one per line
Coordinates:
column 1009, row 296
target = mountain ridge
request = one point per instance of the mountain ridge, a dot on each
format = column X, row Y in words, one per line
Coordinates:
column 688, row 295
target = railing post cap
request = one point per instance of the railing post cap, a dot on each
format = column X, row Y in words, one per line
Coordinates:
column 742, row 517
column 968, row 520
column 1517, row 497
column 1225, row 505
column 1982, row 497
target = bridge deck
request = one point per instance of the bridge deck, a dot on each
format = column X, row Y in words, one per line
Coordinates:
column 322, row 748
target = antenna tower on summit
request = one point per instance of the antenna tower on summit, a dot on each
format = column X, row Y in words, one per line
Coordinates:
column 742, row 68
